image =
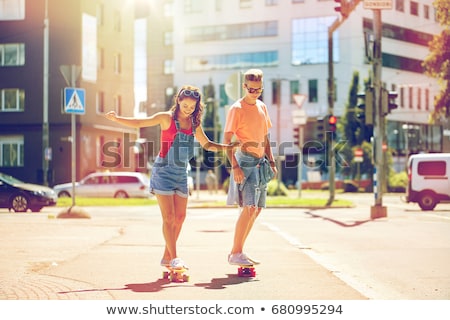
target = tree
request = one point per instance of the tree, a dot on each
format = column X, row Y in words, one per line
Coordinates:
column 437, row 63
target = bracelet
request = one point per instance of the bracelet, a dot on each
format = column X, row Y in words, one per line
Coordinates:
column 272, row 163
column 235, row 167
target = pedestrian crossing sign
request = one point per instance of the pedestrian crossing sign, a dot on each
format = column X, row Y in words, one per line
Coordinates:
column 74, row 101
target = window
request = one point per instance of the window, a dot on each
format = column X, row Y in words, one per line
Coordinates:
column 168, row 9
column 12, row 100
column 310, row 41
column 313, row 90
column 169, row 67
column 426, row 11
column 193, row 6
column 410, row 97
column 118, row 63
column 11, row 151
column 419, row 98
column 427, row 99
column 431, row 168
column 12, row 54
column 100, row 14
column 232, row 31
column 298, row 1
column 168, row 38
column 232, row 61
column 12, row 10
column 245, row 3
column 271, row 2
column 100, row 102
column 414, row 8
column 294, row 86
column 400, row 5
column 101, row 58
column 117, row 22
column 118, row 104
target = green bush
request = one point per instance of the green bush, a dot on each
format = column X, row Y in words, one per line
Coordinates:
column 398, row 182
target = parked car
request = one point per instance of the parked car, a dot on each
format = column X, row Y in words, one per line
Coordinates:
column 428, row 179
column 21, row 196
column 108, row 185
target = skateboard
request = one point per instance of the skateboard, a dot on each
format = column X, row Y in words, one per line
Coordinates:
column 176, row 275
column 246, row 271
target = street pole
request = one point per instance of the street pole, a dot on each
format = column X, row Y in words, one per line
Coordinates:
column 45, row 131
column 328, row 137
column 279, row 164
column 378, row 210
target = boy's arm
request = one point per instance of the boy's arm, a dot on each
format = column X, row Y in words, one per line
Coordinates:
column 269, row 154
column 230, row 154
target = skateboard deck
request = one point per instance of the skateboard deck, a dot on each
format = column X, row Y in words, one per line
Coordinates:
column 176, row 275
column 246, row 271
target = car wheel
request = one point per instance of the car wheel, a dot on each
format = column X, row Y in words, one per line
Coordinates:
column 427, row 201
column 19, row 203
column 63, row 194
column 121, row 194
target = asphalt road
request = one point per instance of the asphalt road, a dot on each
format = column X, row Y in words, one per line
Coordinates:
column 322, row 254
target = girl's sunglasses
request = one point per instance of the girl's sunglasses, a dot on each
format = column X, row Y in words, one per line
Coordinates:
column 190, row 93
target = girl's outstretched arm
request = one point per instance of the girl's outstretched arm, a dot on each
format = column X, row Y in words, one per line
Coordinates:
column 160, row 118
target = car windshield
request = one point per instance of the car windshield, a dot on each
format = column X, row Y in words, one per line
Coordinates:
column 9, row 179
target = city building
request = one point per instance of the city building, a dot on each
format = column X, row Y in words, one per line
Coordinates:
column 131, row 56
column 288, row 40
column 45, row 47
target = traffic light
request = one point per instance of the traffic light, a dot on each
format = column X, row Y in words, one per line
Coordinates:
column 320, row 128
column 343, row 8
column 332, row 121
column 365, row 108
column 296, row 136
column 388, row 101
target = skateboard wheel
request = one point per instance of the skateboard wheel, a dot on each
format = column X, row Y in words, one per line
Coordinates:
column 165, row 275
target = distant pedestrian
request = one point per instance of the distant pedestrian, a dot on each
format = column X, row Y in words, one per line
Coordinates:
column 169, row 180
column 211, row 181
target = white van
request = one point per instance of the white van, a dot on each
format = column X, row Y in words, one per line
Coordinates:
column 429, row 179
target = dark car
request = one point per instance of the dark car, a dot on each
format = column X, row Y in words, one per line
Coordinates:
column 21, row 196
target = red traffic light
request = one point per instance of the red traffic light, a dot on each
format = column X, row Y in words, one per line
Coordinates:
column 332, row 120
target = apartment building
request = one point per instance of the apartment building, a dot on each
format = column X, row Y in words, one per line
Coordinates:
column 41, row 43
column 287, row 39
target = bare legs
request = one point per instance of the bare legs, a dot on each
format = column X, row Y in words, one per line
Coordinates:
column 243, row 226
column 173, row 212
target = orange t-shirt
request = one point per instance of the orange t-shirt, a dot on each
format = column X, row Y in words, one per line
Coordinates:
column 250, row 124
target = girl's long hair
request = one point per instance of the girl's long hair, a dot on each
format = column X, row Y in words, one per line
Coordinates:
column 197, row 114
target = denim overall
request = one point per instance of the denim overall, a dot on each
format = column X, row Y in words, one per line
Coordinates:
column 169, row 174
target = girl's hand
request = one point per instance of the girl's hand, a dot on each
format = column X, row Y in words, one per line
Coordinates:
column 111, row 115
column 234, row 144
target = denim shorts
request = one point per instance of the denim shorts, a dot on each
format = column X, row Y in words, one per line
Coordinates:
column 169, row 180
column 253, row 193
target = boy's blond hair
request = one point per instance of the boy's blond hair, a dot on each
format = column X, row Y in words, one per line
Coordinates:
column 253, row 75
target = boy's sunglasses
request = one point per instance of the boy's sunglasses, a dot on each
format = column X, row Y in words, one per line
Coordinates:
column 191, row 93
column 253, row 90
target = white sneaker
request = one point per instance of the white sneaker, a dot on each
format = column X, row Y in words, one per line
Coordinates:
column 165, row 263
column 254, row 261
column 177, row 263
column 239, row 259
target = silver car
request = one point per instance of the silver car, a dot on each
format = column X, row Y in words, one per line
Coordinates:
column 108, row 185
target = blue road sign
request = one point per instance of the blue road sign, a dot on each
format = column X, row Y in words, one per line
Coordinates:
column 74, row 101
